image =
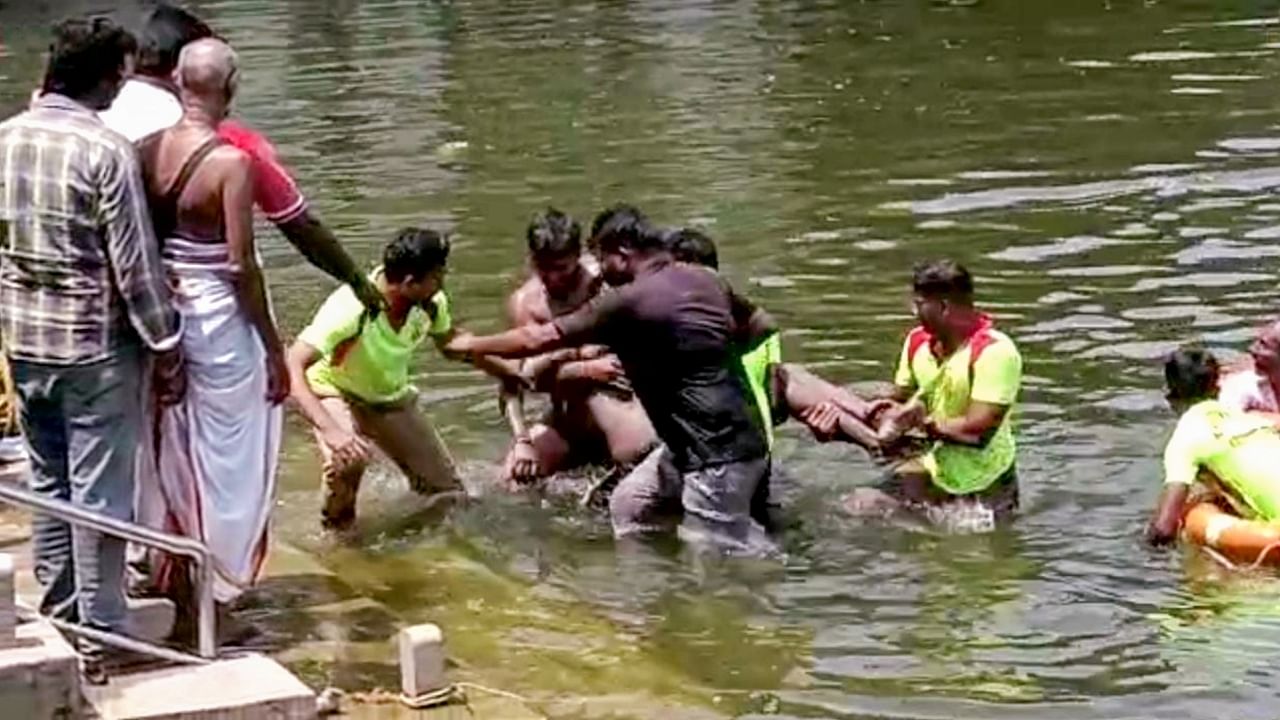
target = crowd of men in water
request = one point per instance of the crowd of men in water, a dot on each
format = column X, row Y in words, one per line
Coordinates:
column 151, row 376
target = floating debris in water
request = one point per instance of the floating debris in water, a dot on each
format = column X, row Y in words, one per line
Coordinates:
column 874, row 245
column 1172, row 56
column 1204, row 77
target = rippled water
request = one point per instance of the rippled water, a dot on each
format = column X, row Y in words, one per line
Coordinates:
column 1109, row 170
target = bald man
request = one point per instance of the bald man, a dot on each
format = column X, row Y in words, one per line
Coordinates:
column 148, row 103
column 215, row 456
column 1254, row 384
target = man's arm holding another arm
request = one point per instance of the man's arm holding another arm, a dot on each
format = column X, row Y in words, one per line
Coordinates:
column 580, row 326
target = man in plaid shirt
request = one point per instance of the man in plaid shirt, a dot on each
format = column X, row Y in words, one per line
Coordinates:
column 82, row 298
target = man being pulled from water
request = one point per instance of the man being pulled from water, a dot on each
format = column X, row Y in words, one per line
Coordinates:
column 350, row 375
column 671, row 327
column 1234, row 455
column 594, row 417
column 959, row 378
column 780, row 390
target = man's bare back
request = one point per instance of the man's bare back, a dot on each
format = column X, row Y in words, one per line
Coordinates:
column 202, row 190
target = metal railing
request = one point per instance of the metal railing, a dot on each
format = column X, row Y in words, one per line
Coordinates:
column 199, row 554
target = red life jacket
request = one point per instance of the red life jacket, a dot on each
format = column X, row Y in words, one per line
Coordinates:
column 980, row 340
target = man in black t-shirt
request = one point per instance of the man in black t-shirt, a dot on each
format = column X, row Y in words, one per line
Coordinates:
column 671, row 326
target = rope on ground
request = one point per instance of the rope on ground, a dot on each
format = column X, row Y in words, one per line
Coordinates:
column 443, row 696
column 455, row 692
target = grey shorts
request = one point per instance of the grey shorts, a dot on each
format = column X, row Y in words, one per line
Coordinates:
column 647, row 499
column 717, row 502
column 711, row 504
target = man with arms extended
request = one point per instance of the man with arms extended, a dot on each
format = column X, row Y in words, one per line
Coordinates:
column 671, row 326
column 350, row 375
column 594, row 416
column 959, row 376
column 149, row 103
column 82, row 298
column 1235, row 454
column 216, row 451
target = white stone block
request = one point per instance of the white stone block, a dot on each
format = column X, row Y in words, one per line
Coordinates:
column 421, row 660
column 251, row 687
column 8, row 617
column 40, row 677
column 150, row 619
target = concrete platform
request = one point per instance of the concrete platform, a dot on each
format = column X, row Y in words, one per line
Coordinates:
column 40, row 677
column 252, row 687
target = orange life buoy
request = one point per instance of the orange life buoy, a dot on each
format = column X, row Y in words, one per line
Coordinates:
column 1247, row 542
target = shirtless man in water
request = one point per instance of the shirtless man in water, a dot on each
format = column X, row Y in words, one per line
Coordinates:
column 594, row 417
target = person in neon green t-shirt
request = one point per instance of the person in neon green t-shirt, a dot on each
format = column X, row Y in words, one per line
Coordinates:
column 1235, row 455
column 350, row 375
column 959, row 379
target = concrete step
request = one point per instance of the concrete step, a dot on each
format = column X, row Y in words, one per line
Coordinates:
column 252, row 687
column 39, row 675
column 149, row 619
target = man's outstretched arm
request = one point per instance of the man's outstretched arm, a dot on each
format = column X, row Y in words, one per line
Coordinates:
column 515, row 343
column 317, row 243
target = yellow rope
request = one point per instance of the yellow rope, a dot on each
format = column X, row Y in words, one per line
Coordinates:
column 452, row 693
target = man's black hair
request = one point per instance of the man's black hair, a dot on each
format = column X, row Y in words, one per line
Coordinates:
column 945, row 279
column 83, row 54
column 168, row 29
column 693, row 246
column 624, row 226
column 1191, row 374
column 554, row 234
column 414, row 253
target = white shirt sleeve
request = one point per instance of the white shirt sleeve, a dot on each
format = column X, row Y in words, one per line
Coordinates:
column 1239, row 392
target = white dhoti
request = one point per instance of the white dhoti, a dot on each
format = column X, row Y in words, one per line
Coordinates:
column 211, row 460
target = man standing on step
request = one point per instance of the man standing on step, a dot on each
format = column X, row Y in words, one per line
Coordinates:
column 82, row 301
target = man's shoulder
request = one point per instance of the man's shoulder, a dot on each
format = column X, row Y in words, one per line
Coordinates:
column 999, row 337
column 342, row 301
column 230, row 157
column 140, row 110
column 991, row 342
column 78, row 127
column 246, row 139
column 528, row 302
